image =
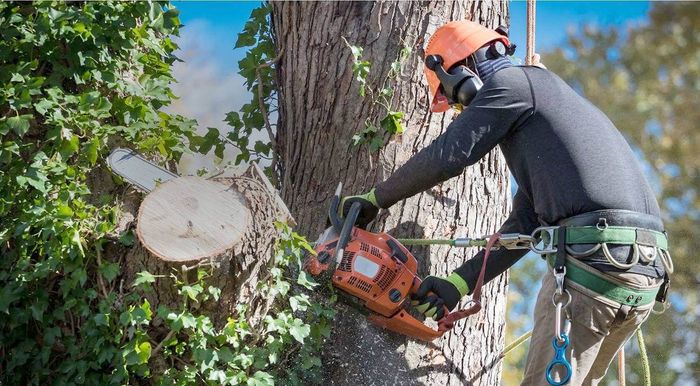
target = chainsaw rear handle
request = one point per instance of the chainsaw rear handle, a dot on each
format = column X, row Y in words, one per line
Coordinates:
column 449, row 318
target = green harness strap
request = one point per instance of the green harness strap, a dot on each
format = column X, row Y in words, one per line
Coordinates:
column 615, row 235
column 604, row 287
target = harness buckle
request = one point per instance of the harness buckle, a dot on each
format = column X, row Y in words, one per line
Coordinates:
column 543, row 240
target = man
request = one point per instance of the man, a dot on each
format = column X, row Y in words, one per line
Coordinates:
column 573, row 168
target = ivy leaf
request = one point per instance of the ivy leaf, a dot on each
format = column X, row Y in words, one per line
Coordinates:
column 109, row 271
column 356, row 52
column 215, row 292
column 306, row 281
column 19, row 124
column 261, row 378
column 127, row 239
column 299, row 330
column 143, row 350
column 143, row 278
column 245, row 39
column 210, row 139
column 192, row 291
column 392, row 122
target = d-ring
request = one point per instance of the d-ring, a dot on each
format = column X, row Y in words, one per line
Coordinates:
column 635, row 257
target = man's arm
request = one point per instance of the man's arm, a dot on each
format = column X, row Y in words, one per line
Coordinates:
column 503, row 103
column 521, row 220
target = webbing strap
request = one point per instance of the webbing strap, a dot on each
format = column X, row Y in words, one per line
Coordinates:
column 615, row 235
column 613, row 291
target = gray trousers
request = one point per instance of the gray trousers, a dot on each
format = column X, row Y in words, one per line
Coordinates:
column 599, row 328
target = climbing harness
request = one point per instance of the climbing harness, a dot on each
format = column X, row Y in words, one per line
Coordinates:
column 554, row 243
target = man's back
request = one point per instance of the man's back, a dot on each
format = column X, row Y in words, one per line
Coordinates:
column 567, row 156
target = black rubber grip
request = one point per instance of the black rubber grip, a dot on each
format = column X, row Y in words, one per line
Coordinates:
column 398, row 253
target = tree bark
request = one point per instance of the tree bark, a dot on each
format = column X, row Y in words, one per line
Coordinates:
column 320, row 110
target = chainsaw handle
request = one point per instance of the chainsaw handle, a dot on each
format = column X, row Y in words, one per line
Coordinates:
column 414, row 289
column 449, row 318
column 333, row 215
column 346, row 230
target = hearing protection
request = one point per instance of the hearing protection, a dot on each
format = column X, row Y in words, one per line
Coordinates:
column 459, row 83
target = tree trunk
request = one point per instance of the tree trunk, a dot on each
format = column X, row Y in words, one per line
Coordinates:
column 236, row 270
column 320, row 110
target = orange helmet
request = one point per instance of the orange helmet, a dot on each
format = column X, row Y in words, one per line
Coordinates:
column 454, row 42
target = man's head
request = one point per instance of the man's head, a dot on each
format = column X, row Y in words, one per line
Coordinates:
column 453, row 54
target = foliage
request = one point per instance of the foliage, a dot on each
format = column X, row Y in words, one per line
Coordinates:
column 380, row 97
column 281, row 346
column 647, row 80
column 78, row 79
column 260, row 80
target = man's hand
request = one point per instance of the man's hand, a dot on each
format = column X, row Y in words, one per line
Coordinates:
column 435, row 293
column 368, row 207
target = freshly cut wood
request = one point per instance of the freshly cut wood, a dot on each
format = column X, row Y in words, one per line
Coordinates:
column 191, row 218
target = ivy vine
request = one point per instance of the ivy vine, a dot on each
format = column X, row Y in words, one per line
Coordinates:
column 76, row 79
column 379, row 96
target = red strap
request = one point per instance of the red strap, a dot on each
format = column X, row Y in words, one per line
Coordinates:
column 447, row 322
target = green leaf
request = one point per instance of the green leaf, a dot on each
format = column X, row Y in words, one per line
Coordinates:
column 109, row 271
column 261, row 378
column 299, row 302
column 192, row 291
column 306, row 281
column 143, row 278
column 392, row 122
column 143, row 350
column 215, row 292
column 127, row 238
column 64, row 211
column 299, row 330
column 356, row 52
column 91, row 149
column 19, row 124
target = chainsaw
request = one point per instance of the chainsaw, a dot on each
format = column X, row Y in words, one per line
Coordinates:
column 377, row 273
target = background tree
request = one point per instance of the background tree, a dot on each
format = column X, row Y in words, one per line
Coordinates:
column 343, row 106
column 647, row 80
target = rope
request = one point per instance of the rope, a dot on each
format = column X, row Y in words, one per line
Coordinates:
column 621, row 367
column 645, row 357
column 521, row 339
column 530, row 55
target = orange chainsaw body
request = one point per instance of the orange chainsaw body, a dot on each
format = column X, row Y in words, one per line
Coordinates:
column 380, row 272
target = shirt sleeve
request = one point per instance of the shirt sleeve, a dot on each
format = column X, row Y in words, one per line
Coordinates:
column 502, row 104
column 521, row 220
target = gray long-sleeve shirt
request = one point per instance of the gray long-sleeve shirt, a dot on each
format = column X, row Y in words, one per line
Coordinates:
column 564, row 153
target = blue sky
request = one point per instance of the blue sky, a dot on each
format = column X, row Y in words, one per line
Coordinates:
column 225, row 19
column 209, row 86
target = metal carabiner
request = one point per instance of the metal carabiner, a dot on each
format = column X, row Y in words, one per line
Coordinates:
column 559, row 280
column 544, row 235
column 559, row 360
column 515, row 241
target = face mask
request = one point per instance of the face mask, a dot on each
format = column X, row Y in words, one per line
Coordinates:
column 487, row 68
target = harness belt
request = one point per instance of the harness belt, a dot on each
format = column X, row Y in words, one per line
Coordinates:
column 652, row 243
column 595, row 282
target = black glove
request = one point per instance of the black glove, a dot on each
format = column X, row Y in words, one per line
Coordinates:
column 368, row 208
column 445, row 292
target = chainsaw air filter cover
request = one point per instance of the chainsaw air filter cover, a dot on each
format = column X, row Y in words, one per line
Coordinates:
column 373, row 267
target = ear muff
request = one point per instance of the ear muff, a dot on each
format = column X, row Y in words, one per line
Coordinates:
column 460, row 84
